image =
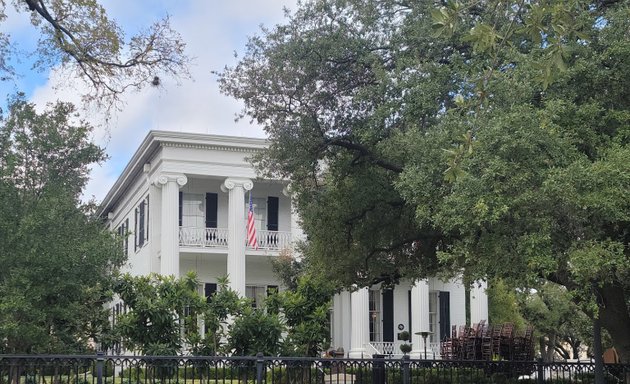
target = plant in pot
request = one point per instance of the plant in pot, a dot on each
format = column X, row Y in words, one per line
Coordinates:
column 405, row 348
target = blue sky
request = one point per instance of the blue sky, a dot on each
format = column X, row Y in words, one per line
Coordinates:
column 213, row 31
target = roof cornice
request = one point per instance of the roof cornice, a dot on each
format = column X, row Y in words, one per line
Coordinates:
column 157, row 139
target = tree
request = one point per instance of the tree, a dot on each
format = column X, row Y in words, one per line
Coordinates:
column 57, row 258
column 561, row 326
column 85, row 43
column 254, row 331
column 304, row 305
column 485, row 137
column 503, row 305
column 306, row 312
column 225, row 304
column 161, row 312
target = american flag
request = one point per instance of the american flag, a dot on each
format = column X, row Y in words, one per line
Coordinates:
column 252, row 241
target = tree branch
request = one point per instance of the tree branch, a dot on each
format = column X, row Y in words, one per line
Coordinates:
column 364, row 151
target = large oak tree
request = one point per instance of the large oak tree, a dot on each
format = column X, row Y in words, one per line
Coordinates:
column 424, row 137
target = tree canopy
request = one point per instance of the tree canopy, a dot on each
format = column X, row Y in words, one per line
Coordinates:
column 57, row 258
column 82, row 41
column 425, row 138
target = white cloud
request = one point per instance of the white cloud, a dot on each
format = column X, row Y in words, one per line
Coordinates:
column 213, row 30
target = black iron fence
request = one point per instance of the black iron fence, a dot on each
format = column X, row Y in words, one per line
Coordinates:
column 99, row 369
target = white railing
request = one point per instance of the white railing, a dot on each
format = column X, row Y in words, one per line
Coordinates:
column 387, row 347
column 393, row 348
column 273, row 240
column 218, row 238
column 203, row 237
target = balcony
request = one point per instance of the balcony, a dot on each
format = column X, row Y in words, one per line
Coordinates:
column 196, row 237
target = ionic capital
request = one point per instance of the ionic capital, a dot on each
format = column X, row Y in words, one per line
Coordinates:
column 232, row 182
column 164, row 178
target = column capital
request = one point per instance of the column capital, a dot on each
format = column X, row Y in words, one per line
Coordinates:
column 233, row 182
column 164, row 178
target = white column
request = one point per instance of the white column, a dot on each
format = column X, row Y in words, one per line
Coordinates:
column 337, row 323
column 236, row 231
column 169, row 240
column 360, row 333
column 346, row 326
column 419, row 316
column 478, row 301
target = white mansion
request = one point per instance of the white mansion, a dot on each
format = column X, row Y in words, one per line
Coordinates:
column 183, row 199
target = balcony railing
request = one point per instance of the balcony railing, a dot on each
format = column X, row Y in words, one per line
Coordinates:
column 273, row 240
column 203, row 237
column 218, row 238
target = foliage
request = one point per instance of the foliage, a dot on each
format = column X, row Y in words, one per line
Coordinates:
column 57, row 259
column 287, row 269
column 305, row 311
column 561, row 326
column 255, row 330
column 503, row 305
column 486, row 137
column 304, row 305
column 222, row 306
column 159, row 310
column 79, row 37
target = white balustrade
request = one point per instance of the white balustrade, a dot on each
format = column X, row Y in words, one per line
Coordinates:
column 273, row 240
column 203, row 237
column 387, row 347
column 218, row 238
column 393, row 348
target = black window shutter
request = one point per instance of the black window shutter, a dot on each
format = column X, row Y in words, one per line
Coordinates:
column 445, row 314
column 135, row 231
column 209, row 289
column 272, row 213
column 272, row 290
column 181, row 207
column 126, row 236
column 211, row 210
column 388, row 315
column 141, row 229
column 147, row 218
column 409, row 311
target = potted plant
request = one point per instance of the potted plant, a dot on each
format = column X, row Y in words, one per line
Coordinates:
column 405, row 348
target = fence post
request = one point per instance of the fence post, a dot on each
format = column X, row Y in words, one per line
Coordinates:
column 405, row 366
column 378, row 369
column 540, row 371
column 259, row 367
column 99, row 367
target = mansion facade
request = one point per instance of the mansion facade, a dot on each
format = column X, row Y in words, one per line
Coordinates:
column 182, row 202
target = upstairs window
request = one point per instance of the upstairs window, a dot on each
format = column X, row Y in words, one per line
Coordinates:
column 141, row 233
column 266, row 215
column 123, row 233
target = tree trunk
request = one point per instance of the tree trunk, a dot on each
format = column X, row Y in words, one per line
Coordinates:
column 615, row 317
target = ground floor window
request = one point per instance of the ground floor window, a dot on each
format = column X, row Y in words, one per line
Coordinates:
column 433, row 316
column 258, row 293
column 376, row 333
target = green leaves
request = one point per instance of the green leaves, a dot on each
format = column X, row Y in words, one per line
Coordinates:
column 445, row 19
column 489, row 137
column 159, row 309
column 57, row 259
